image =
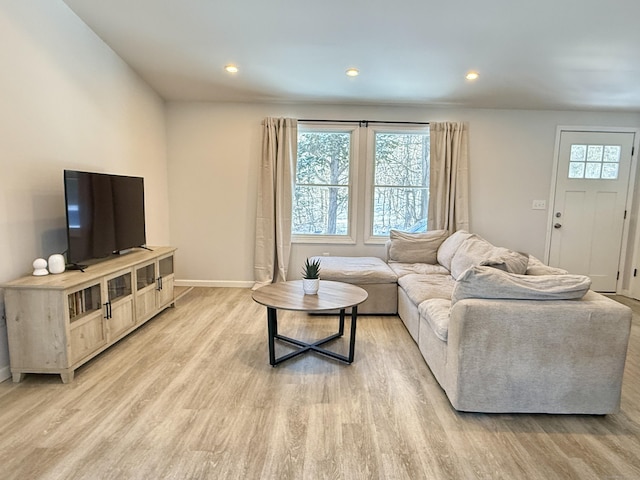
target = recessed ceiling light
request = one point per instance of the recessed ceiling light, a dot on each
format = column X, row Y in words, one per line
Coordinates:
column 353, row 72
column 231, row 68
column 472, row 75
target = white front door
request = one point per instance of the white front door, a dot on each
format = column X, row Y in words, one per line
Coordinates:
column 592, row 181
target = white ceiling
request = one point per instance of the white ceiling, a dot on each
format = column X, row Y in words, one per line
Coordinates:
column 540, row 54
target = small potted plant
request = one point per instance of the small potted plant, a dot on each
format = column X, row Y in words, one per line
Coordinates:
column 311, row 276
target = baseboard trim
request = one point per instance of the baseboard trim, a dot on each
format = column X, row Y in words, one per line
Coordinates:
column 213, row 283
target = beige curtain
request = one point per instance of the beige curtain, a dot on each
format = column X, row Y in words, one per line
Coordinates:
column 449, row 179
column 273, row 215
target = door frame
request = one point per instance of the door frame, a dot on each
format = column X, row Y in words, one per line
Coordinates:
column 631, row 227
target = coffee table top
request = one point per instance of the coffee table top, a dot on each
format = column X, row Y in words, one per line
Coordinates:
column 290, row 296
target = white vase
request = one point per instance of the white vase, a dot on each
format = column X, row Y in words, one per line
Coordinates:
column 56, row 263
column 310, row 285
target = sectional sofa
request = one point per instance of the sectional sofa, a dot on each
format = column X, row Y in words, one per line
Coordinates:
column 500, row 331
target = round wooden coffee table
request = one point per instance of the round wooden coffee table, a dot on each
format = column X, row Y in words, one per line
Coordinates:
column 290, row 296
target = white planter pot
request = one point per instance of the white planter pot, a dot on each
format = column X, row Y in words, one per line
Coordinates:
column 310, row 285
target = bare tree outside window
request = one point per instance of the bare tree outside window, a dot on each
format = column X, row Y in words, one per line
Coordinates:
column 321, row 194
column 401, row 182
column 399, row 185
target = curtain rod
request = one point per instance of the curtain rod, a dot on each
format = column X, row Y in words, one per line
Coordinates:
column 362, row 123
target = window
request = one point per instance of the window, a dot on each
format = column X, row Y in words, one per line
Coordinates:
column 392, row 176
column 594, row 161
column 322, row 192
column 400, row 189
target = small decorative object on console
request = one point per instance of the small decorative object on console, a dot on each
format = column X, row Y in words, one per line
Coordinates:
column 40, row 267
column 56, row 263
column 311, row 277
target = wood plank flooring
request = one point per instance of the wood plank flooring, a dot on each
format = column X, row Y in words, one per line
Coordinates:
column 191, row 395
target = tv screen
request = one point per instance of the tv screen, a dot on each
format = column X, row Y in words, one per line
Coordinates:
column 105, row 214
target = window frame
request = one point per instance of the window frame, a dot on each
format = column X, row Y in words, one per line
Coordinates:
column 350, row 237
column 369, row 237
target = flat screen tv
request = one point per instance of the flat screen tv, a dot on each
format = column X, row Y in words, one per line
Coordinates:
column 105, row 214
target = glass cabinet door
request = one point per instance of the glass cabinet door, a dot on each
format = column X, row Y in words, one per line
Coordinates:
column 145, row 276
column 166, row 266
column 84, row 301
column 119, row 287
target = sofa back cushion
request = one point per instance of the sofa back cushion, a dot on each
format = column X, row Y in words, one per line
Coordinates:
column 507, row 260
column 536, row 267
column 415, row 247
column 476, row 250
column 471, row 252
column 448, row 248
column 488, row 282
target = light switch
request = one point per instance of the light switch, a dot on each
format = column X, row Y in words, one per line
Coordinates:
column 539, row 205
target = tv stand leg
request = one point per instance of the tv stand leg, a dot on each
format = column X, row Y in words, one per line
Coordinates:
column 17, row 377
column 67, row 376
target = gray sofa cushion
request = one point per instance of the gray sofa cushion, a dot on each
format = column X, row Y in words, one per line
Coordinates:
column 507, row 260
column 355, row 270
column 475, row 250
column 471, row 252
column 415, row 247
column 536, row 267
column 491, row 283
column 448, row 248
column 402, row 269
column 424, row 287
column 437, row 312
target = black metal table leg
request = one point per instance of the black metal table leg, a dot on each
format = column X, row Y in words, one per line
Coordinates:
column 315, row 346
column 352, row 340
column 334, row 297
column 341, row 328
column 272, row 321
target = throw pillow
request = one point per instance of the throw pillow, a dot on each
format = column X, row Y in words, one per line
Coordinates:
column 471, row 252
column 415, row 247
column 448, row 248
column 487, row 282
column 536, row 267
column 507, row 260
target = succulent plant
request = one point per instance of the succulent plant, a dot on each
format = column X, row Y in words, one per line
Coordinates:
column 311, row 269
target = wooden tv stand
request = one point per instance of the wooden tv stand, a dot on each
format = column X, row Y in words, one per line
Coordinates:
column 56, row 323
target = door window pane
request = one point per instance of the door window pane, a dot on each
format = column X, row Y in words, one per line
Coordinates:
column 612, row 153
column 594, row 162
column 610, row 171
column 576, row 170
column 578, row 153
column 593, row 170
column 594, row 153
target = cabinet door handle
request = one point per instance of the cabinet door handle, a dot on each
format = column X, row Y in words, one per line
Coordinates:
column 107, row 308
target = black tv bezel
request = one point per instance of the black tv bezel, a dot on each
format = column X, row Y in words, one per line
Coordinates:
column 83, row 262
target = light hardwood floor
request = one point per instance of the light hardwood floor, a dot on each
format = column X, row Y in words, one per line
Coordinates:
column 191, row 395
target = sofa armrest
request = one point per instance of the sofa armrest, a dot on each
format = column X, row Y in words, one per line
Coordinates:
column 558, row 356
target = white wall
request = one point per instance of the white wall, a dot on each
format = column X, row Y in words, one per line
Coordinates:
column 214, row 153
column 67, row 102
